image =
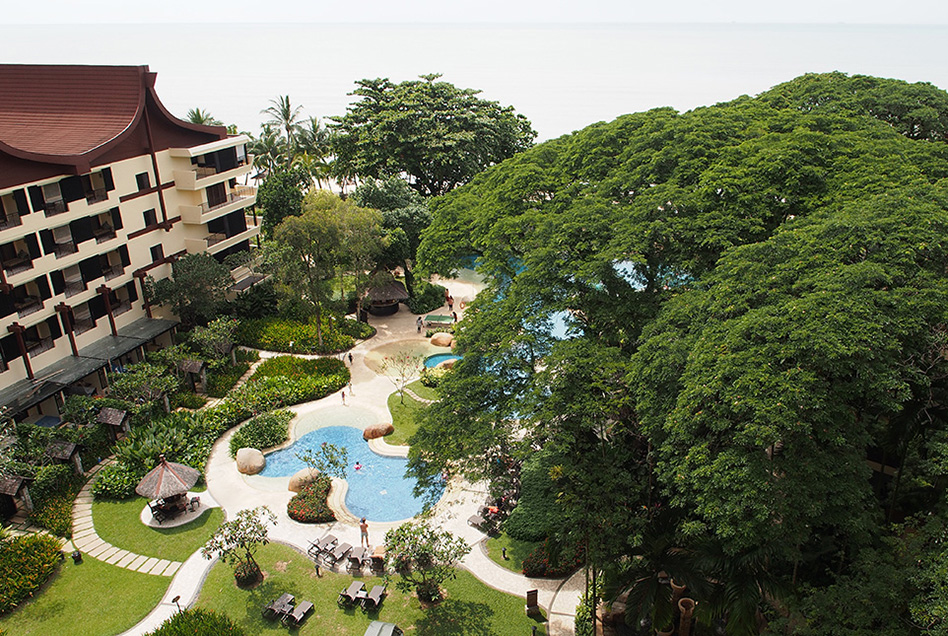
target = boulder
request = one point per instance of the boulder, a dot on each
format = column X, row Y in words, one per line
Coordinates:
column 442, row 339
column 447, row 364
column 250, row 461
column 301, row 478
column 377, row 430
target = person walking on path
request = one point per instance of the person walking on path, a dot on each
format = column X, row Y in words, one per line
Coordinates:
column 364, row 531
column 418, row 324
column 450, row 303
column 343, row 398
column 350, row 358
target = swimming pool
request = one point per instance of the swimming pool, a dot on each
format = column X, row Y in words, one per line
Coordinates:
column 438, row 358
column 374, row 359
column 378, row 491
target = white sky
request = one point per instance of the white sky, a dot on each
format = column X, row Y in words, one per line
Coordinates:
column 483, row 11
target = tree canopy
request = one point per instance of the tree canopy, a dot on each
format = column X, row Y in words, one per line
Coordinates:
column 436, row 134
column 755, row 295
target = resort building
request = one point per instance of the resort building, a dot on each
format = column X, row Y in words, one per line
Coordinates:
column 100, row 187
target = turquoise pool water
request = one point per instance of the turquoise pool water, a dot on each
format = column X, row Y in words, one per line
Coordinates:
column 378, row 491
column 438, row 358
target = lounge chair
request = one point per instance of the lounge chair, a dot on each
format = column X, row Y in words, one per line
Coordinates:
column 321, row 545
column 298, row 614
column 339, row 552
column 378, row 558
column 372, row 601
column 350, row 595
column 356, row 558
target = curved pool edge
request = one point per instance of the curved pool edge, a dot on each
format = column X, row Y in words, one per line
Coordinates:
column 379, row 446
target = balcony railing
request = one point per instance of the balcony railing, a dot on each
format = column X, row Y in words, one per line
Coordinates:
column 97, row 195
column 113, row 272
column 36, row 347
column 103, row 234
column 10, row 220
column 82, row 325
column 17, row 265
column 58, row 206
column 205, row 171
column 74, row 287
column 65, row 249
column 237, row 195
column 122, row 307
column 213, row 239
column 27, row 305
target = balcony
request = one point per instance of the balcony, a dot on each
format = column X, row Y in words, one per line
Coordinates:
column 202, row 177
column 57, row 206
column 27, row 305
column 97, row 196
column 103, row 234
column 65, row 249
column 36, row 347
column 10, row 220
column 122, row 307
column 113, row 272
column 16, row 265
column 240, row 197
column 74, row 287
column 82, row 325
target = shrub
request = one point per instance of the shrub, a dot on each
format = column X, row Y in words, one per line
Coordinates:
column 553, row 561
column 247, row 355
column 262, row 431
column 310, row 505
column 116, row 481
column 293, row 368
column 256, row 302
column 431, row 377
column 276, row 334
column 537, row 514
column 428, row 297
column 433, row 330
column 198, row 622
column 25, row 564
column 53, row 493
column 187, row 400
column 221, row 381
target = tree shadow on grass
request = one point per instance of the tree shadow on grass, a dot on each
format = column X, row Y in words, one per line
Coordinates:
column 460, row 618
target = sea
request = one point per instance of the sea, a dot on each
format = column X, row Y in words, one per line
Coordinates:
column 561, row 77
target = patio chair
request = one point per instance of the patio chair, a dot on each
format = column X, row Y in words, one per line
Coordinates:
column 157, row 513
column 374, row 598
column 350, row 595
column 298, row 614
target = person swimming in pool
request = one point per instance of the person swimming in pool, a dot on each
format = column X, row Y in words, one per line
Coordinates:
column 358, row 466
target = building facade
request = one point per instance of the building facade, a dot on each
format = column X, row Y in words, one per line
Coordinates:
column 100, row 187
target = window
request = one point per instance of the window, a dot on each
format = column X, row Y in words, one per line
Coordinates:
column 151, row 218
column 143, row 180
column 157, row 253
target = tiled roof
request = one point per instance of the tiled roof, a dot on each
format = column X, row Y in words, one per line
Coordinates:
column 65, row 111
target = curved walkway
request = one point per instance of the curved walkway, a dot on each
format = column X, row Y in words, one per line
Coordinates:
column 369, row 390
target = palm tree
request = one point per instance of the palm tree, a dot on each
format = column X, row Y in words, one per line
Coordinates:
column 284, row 115
column 267, row 148
column 314, row 141
column 203, row 117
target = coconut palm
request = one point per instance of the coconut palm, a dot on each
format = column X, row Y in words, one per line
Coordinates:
column 203, row 117
column 314, row 141
column 285, row 116
column 267, row 149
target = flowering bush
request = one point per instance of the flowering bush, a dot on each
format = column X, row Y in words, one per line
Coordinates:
column 309, row 505
column 262, row 431
column 431, row 377
column 545, row 560
column 25, row 564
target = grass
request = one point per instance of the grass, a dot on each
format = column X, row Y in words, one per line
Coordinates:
column 423, row 391
column 517, row 551
column 403, row 417
column 470, row 607
column 119, row 523
column 89, row 599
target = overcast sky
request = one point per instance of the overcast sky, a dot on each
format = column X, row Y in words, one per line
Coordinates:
column 490, row 11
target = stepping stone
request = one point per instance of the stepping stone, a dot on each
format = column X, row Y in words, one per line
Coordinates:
column 172, row 568
column 160, row 566
column 106, row 554
column 99, row 549
column 125, row 560
column 145, row 567
column 136, row 562
column 118, row 556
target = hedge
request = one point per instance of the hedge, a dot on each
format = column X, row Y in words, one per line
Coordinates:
column 541, row 561
column 25, row 564
column 310, row 505
column 53, row 493
column 276, row 334
column 198, row 622
column 262, row 431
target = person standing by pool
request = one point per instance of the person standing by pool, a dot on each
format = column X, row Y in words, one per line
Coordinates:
column 343, row 398
column 364, row 529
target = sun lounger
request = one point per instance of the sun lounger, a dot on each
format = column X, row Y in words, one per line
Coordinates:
column 350, row 595
column 356, row 558
column 298, row 614
column 374, row 598
column 280, row 607
column 378, row 558
column 339, row 552
column 321, row 545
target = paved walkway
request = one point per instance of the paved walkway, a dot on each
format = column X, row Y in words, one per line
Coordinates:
column 369, row 392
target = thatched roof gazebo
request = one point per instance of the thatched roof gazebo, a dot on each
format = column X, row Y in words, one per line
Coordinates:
column 384, row 299
column 167, row 479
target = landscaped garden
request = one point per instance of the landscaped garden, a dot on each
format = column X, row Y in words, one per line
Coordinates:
column 470, row 607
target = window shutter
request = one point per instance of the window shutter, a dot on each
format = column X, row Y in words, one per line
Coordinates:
column 49, row 243
column 19, row 197
column 123, row 254
column 97, row 307
column 6, row 308
column 107, row 177
column 37, row 198
column 43, row 283
column 58, row 280
column 72, row 189
column 91, row 269
column 116, row 219
column 132, row 291
column 33, row 245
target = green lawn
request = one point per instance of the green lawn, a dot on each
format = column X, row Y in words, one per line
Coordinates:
column 89, row 599
column 423, row 391
column 119, row 523
column 403, row 418
column 470, row 607
column 517, row 551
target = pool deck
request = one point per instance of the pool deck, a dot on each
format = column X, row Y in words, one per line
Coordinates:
column 235, row 492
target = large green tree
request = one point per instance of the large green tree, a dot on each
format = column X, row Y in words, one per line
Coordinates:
column 436, row 134
column 196, row 288
column 281, row 195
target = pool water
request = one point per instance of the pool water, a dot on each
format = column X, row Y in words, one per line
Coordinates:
column 435, row 360
column 379, row 491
